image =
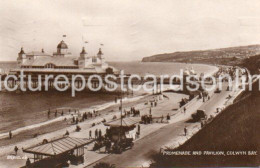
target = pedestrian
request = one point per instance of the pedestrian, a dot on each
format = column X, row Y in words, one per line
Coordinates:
column 15, row 150
column 28, row 163
column 96, row 134
column 78, row 128
column 184, row 109
column 185, row 131
column 49, row 112
column 150, row 112
column 10, row 135
column 90, row 134
column 67, row 133
column 168, row 116
column 139, row 128
column 62, row 113
column 56, row 113
column 100, row 134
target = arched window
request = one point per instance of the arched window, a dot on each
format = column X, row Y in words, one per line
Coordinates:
column 94, row 59
column 49, row 65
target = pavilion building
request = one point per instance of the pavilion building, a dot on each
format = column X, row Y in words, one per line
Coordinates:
column 63, row 61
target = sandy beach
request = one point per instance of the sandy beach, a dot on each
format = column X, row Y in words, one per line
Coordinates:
column 58, row 129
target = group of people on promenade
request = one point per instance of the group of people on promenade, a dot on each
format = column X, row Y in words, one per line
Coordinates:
column 98, row 134
column 61, row 111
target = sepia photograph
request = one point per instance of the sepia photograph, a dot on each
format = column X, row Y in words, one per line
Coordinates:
column 129, row 83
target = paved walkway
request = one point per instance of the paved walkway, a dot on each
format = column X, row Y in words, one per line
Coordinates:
column 91, row 156
column 171, row 135
column 153, row 136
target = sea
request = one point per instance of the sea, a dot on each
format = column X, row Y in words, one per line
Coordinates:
column 20, row 110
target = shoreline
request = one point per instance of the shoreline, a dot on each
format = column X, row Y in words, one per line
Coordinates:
column 57, row 129
column 140, row 104
column 57, row 124
column 60, row 119
column 212, row 69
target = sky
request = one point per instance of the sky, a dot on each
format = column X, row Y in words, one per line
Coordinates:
column 129, row 29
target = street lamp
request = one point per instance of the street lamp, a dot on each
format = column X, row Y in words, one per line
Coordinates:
column 121, row 119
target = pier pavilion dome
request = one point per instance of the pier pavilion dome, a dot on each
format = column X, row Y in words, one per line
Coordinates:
column 62, row 45
column 62, row 49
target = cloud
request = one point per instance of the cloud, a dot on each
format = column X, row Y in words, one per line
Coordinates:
column 130, row 30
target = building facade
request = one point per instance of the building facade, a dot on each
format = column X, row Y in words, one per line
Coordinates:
column 63, row 61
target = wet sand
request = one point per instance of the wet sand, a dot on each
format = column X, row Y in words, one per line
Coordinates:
column 30, row 133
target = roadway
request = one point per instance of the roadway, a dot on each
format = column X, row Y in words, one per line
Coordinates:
column 147, row 146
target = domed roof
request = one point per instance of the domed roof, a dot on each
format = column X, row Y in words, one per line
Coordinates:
column 83, row 51
column 62, row 45
column 100, row 52
column 22, row 52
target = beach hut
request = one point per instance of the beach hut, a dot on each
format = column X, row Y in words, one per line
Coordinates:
column 58, row 152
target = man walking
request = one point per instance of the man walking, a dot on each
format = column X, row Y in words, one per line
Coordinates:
column 96, row 134
column 90, row 134
column 139, row 129
column 10, row 134
column 100, row 134
column 185, row 131
column 15, row 150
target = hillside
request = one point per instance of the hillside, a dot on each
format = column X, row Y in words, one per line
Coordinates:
column 252, row 64
column 214, row 56
column 234, row 129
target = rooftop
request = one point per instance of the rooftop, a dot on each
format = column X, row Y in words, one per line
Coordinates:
column 62, row 45
column 57, row 146
column 57, row 61
column 126, row 122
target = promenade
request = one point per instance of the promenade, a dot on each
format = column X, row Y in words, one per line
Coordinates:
column 171, row 135
column 86, row 126
column 153, row 136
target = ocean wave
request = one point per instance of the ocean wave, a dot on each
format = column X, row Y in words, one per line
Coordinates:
column 61, row 118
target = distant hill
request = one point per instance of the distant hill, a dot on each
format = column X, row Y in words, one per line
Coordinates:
column 213, row 56
column 252, row 64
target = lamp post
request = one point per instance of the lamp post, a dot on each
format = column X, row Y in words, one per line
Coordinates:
column 121, row 121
